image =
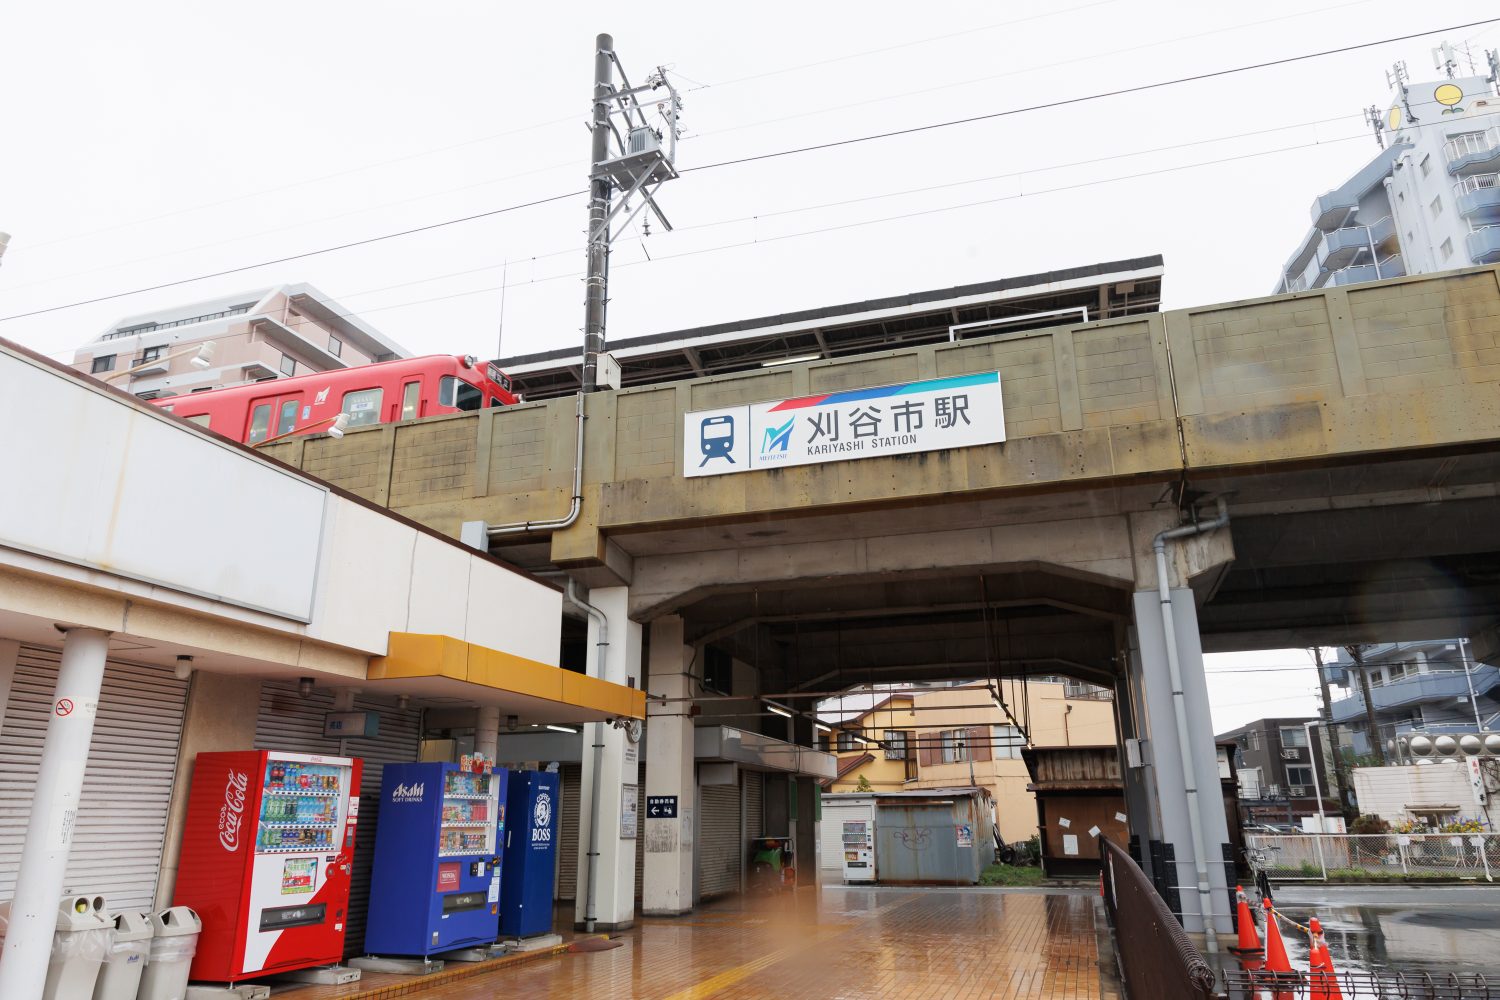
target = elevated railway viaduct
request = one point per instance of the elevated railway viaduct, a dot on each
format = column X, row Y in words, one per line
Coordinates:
column 1352, row 437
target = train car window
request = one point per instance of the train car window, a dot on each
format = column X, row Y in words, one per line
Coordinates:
column 260, row 423
column 456, row 393
column 201, row 420
column 288, row 418
column 496, row 401
column 411, row 399
column 363, row 407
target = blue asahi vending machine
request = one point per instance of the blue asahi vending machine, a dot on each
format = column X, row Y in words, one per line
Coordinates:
column 439, row 840
column 531, row 846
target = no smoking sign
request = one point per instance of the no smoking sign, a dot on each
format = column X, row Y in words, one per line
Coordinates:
column 64, row 707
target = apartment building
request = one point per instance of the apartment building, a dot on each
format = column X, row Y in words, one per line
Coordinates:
column 1282, row 767
column 1431, row 687
column 253, row 336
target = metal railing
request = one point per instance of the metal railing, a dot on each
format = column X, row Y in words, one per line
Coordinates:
column 1247, row 984
column 1479, row 182
column 1156, row 958
column 1470, row 143
column 1311, row 857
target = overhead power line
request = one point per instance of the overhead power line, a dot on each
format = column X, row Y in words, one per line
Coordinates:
column 795, row 151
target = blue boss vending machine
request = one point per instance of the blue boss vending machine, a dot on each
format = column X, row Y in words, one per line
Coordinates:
column 531, row 846
column 439, row 836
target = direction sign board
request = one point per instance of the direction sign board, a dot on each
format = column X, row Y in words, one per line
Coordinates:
column 661, row 807
column 958, row 412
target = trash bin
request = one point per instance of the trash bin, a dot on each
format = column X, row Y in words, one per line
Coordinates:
column 80, row 944
column 120, row 977
column 174, row 940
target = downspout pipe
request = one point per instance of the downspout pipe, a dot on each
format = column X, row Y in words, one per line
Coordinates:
column 575, row 506
column 1179, row 710
column 591, row 883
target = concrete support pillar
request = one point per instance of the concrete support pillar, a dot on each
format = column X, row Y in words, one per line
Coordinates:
column 613, row 902
column 668, row 882
column 10, row 652
column 487, row 730
column 1166, row 772
column 54, row 810
column 213, row 719
column 807, row 805
column 1140, row 799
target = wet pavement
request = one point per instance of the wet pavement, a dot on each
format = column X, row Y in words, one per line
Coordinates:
column 1431, row 929
column 845, row 942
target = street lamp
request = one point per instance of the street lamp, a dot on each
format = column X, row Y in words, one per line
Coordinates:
column 335, row 429
column 203, row 357
column 1317, row 785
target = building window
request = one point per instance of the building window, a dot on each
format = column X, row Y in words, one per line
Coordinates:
column 104, row 363
column 288, row 365
column 1293, row 736
column 1253, row 738
column 335, row 347
column 1007, row 742
column 363, row 407
column 1426, row 165
column 1447, row 248
column 955, row 744
column 1437, row 206
column 1299, row 775
column 895, row 744
column 718, row 666
column 847, row 741
column 152, row 353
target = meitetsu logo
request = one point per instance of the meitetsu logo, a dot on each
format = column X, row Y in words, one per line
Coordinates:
column 232, row 812
column 541, row 819
column 407, row 793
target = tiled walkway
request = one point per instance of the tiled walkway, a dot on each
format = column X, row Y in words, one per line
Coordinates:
column 840, row 942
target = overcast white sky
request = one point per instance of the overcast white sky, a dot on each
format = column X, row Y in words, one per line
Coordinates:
column 149, row 142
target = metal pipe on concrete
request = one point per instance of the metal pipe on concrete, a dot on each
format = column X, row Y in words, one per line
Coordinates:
column 591, row 882
column 54, row 809
column 1179, row 711
column 575, row 506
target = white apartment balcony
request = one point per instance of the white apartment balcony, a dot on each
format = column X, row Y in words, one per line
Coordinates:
column 1427, row 686
column 1391, row 267
column 1351, row 246
column 1473, row 152
column 1484, row 245
column 1478, row 198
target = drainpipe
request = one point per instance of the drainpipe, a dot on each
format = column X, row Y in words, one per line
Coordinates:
column 1179, row 710
column 591, row 883
column 574, row 507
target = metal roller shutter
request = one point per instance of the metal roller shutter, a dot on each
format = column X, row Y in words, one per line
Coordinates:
column 127, row 788
column 718, row 840
column 640, row 833
column 293, row 723
column 755, row 802
column 567, row 832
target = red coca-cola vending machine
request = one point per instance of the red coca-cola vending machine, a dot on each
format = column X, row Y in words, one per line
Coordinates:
column 265, row 861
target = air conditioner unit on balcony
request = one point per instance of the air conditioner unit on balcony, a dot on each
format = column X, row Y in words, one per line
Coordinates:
column 1297, row 791
column 1291, row 753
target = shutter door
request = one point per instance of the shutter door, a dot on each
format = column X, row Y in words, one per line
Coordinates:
column 755, row 803
column 640, row 833
column 127, row 788
column 292, row 723
column 718, row 840
column 567, row 832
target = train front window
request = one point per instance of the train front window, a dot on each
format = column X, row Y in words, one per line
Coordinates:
column 459, row 394
column 363, row 407
column 260, row 423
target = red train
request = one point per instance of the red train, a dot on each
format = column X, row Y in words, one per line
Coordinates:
column 369, row 394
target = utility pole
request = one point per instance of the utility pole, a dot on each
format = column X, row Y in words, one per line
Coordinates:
column 636, row 164
column 1333, row 742
column 1371, row 730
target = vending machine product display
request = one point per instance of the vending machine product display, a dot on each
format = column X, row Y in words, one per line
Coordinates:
column 530, row 845
column 436, row 882
column 859, row 851
column 266, row 854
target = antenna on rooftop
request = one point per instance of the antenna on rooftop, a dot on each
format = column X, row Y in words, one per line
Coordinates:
column 1493, row 58
column 1396, row 78
column 635, row 163
column 1444, row 58
column 1377, row 123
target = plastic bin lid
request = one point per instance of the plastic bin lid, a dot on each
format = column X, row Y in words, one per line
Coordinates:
column 132, row 925
column 175, row 921
column 83, row 913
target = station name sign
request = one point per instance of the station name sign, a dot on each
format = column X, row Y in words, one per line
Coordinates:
column 958, row 412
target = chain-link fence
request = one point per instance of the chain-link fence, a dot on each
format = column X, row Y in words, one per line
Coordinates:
column 1374, row 857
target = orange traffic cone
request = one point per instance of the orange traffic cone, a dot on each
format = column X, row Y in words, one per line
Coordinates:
column 1276, row 960
column 1322, row 976
column 1249, row 943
